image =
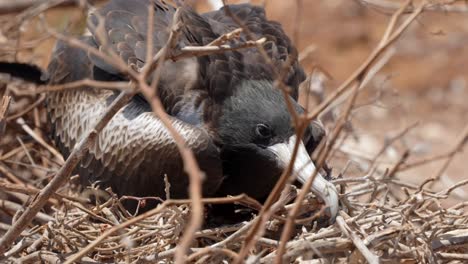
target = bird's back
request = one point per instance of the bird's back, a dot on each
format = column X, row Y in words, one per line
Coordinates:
column 135, row 151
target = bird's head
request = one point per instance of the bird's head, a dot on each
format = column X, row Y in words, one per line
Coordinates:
column 257, row 137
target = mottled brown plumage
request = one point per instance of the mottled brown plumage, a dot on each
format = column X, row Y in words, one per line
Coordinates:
column 133, row 147
column 208, row 97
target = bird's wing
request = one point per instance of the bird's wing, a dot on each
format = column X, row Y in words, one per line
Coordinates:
column 278, row 46
column 134, row 151
column 125, row 25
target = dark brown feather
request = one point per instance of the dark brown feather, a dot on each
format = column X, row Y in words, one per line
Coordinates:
column 135, row 151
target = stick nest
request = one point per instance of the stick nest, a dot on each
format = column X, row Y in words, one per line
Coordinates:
column 382, row 218
column 413, row 229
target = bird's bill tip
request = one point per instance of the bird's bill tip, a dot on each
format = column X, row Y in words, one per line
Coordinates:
column 304, row 168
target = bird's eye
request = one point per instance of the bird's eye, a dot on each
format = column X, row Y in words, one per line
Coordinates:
column 263, row 131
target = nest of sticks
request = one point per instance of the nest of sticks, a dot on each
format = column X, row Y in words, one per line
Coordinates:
column 374, row 226
column 383, row 219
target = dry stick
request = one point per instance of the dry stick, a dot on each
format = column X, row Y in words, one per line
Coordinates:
column 461, row 141
column 377, row 66
column 162, row 54
column 383, row 45
column 250, row 239
column 27, row 110
column 453, row 256
column 425, row 161
column 112, row 59
column 31, row 191
column 32, row 11
column 209, row 250
column 79, row 150
column 316, row 238
column 444, row 7
column 13, row 152
column 324, row 151
column 267, row 209
column 190, row 164
column 8, row 6
column 38, row 138
column 233, row 236
column 328, row 246
column 40, row 257
column 397, row 166
column 26, row 45
column 143, row 216
column 4, row 106
column 191, row 51
column 76, row 257
column 15, row 207
column 196, row 51
column 278, row 75
column 389, row 175
column 225, row 37
column 389, row 142
column 62, row 175
column 387, row 38
column 26, row 152
column 9, row 175
column 358, row 243
column 451, row 188
column 120, row 86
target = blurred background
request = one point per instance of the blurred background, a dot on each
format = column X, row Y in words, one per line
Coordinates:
column 418, row 101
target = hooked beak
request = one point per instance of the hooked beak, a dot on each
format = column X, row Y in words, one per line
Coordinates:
column 304, row 169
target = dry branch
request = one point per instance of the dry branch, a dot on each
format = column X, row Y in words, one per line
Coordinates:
column 358, row 243
column 63, row 174
column 441, row 5
column 416, row 227
column 4, row 105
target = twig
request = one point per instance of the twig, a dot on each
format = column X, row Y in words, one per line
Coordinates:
column 323, row 153
column 27, row 110
column 383, row 45
column 31, row 190
column 64, row 172
column 4, row 105
column 32, row 10
column 300, row 125
column 390, row 5
column 39, row 139
column 390, row 141
column 14, row 207
column 196, row 51
column 120, row 86
column 143, row 216
column 7, row 6
column 39, row 257
column 9, row 175
column 369, row 256
column 459, row 144
column 226, row 37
